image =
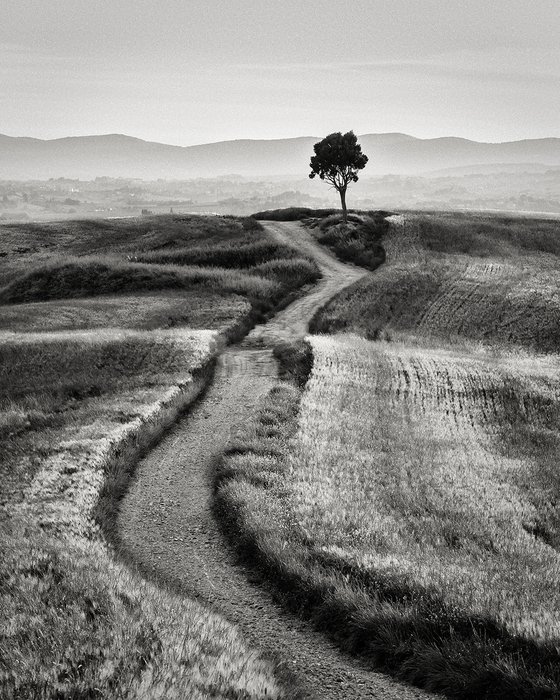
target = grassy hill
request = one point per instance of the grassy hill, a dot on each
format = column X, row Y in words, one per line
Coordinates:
column 108, row 331
column 210, row 262
column 407, row 499
column 451, row 277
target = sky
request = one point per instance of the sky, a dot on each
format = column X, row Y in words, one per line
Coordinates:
column 199, row 71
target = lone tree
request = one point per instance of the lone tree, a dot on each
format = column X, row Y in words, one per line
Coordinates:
column 337, row 160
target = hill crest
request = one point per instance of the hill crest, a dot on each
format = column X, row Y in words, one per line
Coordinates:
column 120, row 155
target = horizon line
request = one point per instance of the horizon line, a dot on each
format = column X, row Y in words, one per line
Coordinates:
column 280, row 138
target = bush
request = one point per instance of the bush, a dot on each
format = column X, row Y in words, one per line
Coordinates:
column 292, row 214
column 358, row 241
column 295, row 361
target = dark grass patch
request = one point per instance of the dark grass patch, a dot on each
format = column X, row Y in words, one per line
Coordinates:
column 358, row 241
column 243, row 255
column 66, row 369
column 530, row 433
column 86, row 277
column 25, row 246
column 295, row 361
column 121, row 236
column 290, row 273
column 140, row 311
column 291, row 214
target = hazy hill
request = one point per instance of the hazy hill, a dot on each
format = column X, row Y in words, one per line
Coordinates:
column 115, row 155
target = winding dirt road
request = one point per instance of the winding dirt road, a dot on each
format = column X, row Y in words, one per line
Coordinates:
column 166, row 522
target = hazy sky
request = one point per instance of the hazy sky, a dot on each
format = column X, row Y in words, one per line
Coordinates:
column 194, row 71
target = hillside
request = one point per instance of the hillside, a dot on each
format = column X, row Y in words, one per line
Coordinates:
column 458, row 277
column 422, row 463
column 116, row 155
column 90, row 376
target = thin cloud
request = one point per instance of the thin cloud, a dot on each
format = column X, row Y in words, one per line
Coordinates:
column 428, row 69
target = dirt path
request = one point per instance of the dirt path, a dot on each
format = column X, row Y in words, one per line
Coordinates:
column 166, row 520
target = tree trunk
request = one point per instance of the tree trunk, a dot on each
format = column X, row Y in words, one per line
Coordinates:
column 343, row 202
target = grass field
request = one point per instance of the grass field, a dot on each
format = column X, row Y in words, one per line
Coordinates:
column 225, row 261
column 76, row 408
column 402, row 493
column 407, row 501
column 101, row 358
column 410, row 480
column 143, row 311
column 504, row 291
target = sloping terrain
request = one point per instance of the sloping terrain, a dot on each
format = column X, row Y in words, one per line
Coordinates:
column 411, row 510
column 166, row 521
column 414, row 477
column 87, row 385
column 411, row 474
column 76, row 408
column 504, row 291
column 149, row 272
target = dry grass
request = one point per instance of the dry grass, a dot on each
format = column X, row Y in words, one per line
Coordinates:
column 448, row 297
column 414, row 479
column 245, row 254
column 76, row 410
column 86, row 258
column 77, row 624
column 82, row 277
column 487, row 235
column 435, row 478
column 61, row 381
column 23, row 245
column 411, row 508
column 226, row 263
column 95, row 365
column 494, row 302
column 143, row 311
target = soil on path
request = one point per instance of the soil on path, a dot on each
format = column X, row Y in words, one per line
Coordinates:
column 166, row 523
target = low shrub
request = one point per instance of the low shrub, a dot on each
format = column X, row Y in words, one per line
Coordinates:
column 295, row 361
column 358, row 241
column 292, row 214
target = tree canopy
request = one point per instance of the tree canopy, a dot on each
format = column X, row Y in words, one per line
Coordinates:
column 338, row 159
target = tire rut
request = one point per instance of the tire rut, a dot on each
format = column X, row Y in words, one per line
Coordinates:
column 166, row 524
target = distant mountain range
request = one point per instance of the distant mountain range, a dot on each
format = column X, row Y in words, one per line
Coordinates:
column 116, row 155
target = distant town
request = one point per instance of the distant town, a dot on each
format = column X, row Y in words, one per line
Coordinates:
column 508, row 188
